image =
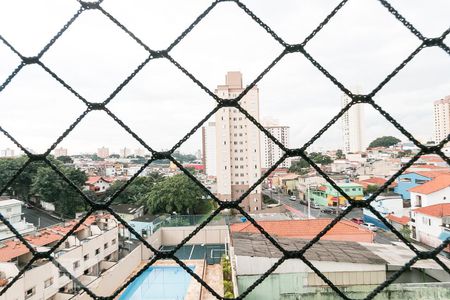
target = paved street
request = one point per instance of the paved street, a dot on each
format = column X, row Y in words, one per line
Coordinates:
column 39, row 218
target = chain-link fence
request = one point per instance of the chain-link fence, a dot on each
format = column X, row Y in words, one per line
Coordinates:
column 297, row 49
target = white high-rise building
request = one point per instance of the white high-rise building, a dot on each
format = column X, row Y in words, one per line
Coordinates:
column 352, row 128
column 209, row 148
column 271, row 153
column 60, row 152
column 238, row 145
column 7, row 152
column 441, row 119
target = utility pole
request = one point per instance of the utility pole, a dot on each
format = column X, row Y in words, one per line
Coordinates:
column 309, row 201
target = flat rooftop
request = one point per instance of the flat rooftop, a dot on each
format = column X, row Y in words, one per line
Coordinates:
column 257, row 245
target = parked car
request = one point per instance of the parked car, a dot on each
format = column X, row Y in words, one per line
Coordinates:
column 304, row 202
column 292, row 198
column 358, row 221
column 370, row 226
column 28, row 205
column 328, row 210
column 314, row 205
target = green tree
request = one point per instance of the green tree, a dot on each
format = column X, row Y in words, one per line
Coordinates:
column 50, row 187
column 65, row 159
column 177, row 194
column 136, row 191
column 340, row 154
column 300, row 167
column 371, row 188
column 384, row 141
column 21, row 186
column 319, row 158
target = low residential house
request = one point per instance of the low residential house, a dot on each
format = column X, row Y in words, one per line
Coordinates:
column 385, row 204
column 411, row 179
column 89, row 251
column 380, row 168
column 376, row 182
column 431, row 224
column 355, row 268
column 144, row 225
column 98, row 184
column 128, row 212
column 435, row 191
column 11, row 210
column 307, row 229
column 327, row 195
column 399, row 223
column 289, row 183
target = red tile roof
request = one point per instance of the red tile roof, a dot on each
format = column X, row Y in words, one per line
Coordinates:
column 94, row 179
column 43, row 237
column 404, row 220
column 437, row 210
column 11, row 249
column 307, row 229
column 434, row 185
column 375, row 181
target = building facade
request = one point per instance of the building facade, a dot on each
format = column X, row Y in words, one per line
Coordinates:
column 7, row 152
column 352, row 128
column 92, row 249
column 327, row 195
column 60, row 152
column 209, row 148
column 238, row 157
column 441, row 119
column 11, row 210
column 271, row 153
column 103, row 152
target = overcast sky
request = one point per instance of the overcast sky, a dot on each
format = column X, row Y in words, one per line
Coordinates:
column 360, row 46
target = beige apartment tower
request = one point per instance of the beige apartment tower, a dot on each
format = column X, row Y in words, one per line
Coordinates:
column 441, row 119
column 238, row 145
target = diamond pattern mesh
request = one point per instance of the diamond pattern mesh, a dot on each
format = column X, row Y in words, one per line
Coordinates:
column 296, row 49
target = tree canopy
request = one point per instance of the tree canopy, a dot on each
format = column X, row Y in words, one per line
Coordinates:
column 177, row 194
column 384, row 141
column 302, row 167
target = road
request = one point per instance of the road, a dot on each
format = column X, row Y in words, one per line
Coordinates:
column 38, row 218
column 381, row 237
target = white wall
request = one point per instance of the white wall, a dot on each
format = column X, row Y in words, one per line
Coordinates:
column 208, row 235
column 442, row 196
column 115, row 276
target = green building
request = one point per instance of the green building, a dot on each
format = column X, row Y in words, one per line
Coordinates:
column 327, row 195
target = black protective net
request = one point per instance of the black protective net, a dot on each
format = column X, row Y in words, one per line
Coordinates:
column 293, row 49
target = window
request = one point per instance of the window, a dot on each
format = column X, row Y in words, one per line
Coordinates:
column 48, row 282
column 76, row 264
column 8, row 210
column 30, row 292
column 97, row 251
column 420, row 181
column 105, row 246
column 405, row 179
column 86, row 257
column 61, row 273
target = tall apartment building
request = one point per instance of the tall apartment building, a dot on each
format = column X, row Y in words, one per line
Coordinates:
column 271, row 153
column 209, row 148
column 441, row 119
column 125, row 152
column 238, row 145
column 103, row 152
column 7, row 152
column 352, row 128
column 60, row 152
